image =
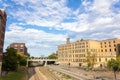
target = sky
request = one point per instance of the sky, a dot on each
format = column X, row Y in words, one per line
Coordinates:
column 44, row 24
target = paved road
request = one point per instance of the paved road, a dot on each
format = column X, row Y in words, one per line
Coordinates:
column 35, row 74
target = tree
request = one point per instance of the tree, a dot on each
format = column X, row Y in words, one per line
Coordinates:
column 32, row 57
column 10, row 59
column 52, row 56
column 118, row 47
column 114, row 65
column 22, row 59
column 91, row 58
column 118, row 56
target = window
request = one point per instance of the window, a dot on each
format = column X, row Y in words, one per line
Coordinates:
column 21, row 45
column 105, row 45
column 115, row 49
column 87, row 50
column 104, row 42
column 21, row 50
column 106, row 59
column 110, row 50
column 113, row 41
column 15, row 45
column 99, row 59
column 109, row 45
column 76, row 55
column 83, row 55
column 105, row 50
column 114, row 45
column 101, row 50
column 15, row 48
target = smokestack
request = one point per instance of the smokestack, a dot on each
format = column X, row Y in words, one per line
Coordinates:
column 68, row 41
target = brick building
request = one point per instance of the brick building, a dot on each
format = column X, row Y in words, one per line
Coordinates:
column 78, row 52
column 3, row 19
column 20, row 47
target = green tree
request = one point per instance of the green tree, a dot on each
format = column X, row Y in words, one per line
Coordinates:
column 118, row 47
column 52, row 56
column 114, row 65
column 32, row 57
column 22, row 59
column 118, row 56
column 10, row 59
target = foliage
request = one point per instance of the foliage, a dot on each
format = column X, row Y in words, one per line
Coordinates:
column 52, row 56
column 13, row 76
column 66, row 76
column 118, row 56
column 118, row 47
column 32, row 57
column 10, row 59
column 91, row 58
column 114, row 65
column 22, row 59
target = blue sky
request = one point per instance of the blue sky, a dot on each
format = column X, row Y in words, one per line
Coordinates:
column 44, row 24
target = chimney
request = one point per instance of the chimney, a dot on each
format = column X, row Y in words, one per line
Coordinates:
column 68, row 41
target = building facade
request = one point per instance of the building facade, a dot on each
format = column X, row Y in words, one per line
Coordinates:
column 3, row 19
column 82, row 52
column 20, row 47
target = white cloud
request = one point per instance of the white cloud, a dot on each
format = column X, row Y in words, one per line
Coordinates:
column 74, row 26
column 102, row 6
column 95, row 20
column 14, row 27
column 116, row 33
column 33, row 38
column 51, row 14
column 44, row 13
column 104, row 20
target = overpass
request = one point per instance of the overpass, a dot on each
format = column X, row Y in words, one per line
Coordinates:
column 41, row 59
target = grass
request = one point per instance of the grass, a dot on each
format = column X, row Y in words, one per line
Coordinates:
column 13, row 76
column 66, row 76
column 20, row 74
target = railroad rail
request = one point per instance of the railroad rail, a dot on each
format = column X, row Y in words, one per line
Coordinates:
column 49, row 75
column 34, row 74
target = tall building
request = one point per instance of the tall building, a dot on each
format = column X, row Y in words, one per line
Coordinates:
column 78, row 53
column 20, row 47
column 3, row 19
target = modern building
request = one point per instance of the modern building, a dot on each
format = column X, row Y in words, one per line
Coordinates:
column 20, row 47
column 82, row 52
column 3, row 19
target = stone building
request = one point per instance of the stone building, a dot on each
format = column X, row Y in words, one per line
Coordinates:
column 78, row 53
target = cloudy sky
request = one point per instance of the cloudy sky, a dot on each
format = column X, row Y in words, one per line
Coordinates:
column 44, row 24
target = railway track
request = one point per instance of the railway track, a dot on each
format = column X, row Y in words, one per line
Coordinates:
column 49, row 75
column 35, row 74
